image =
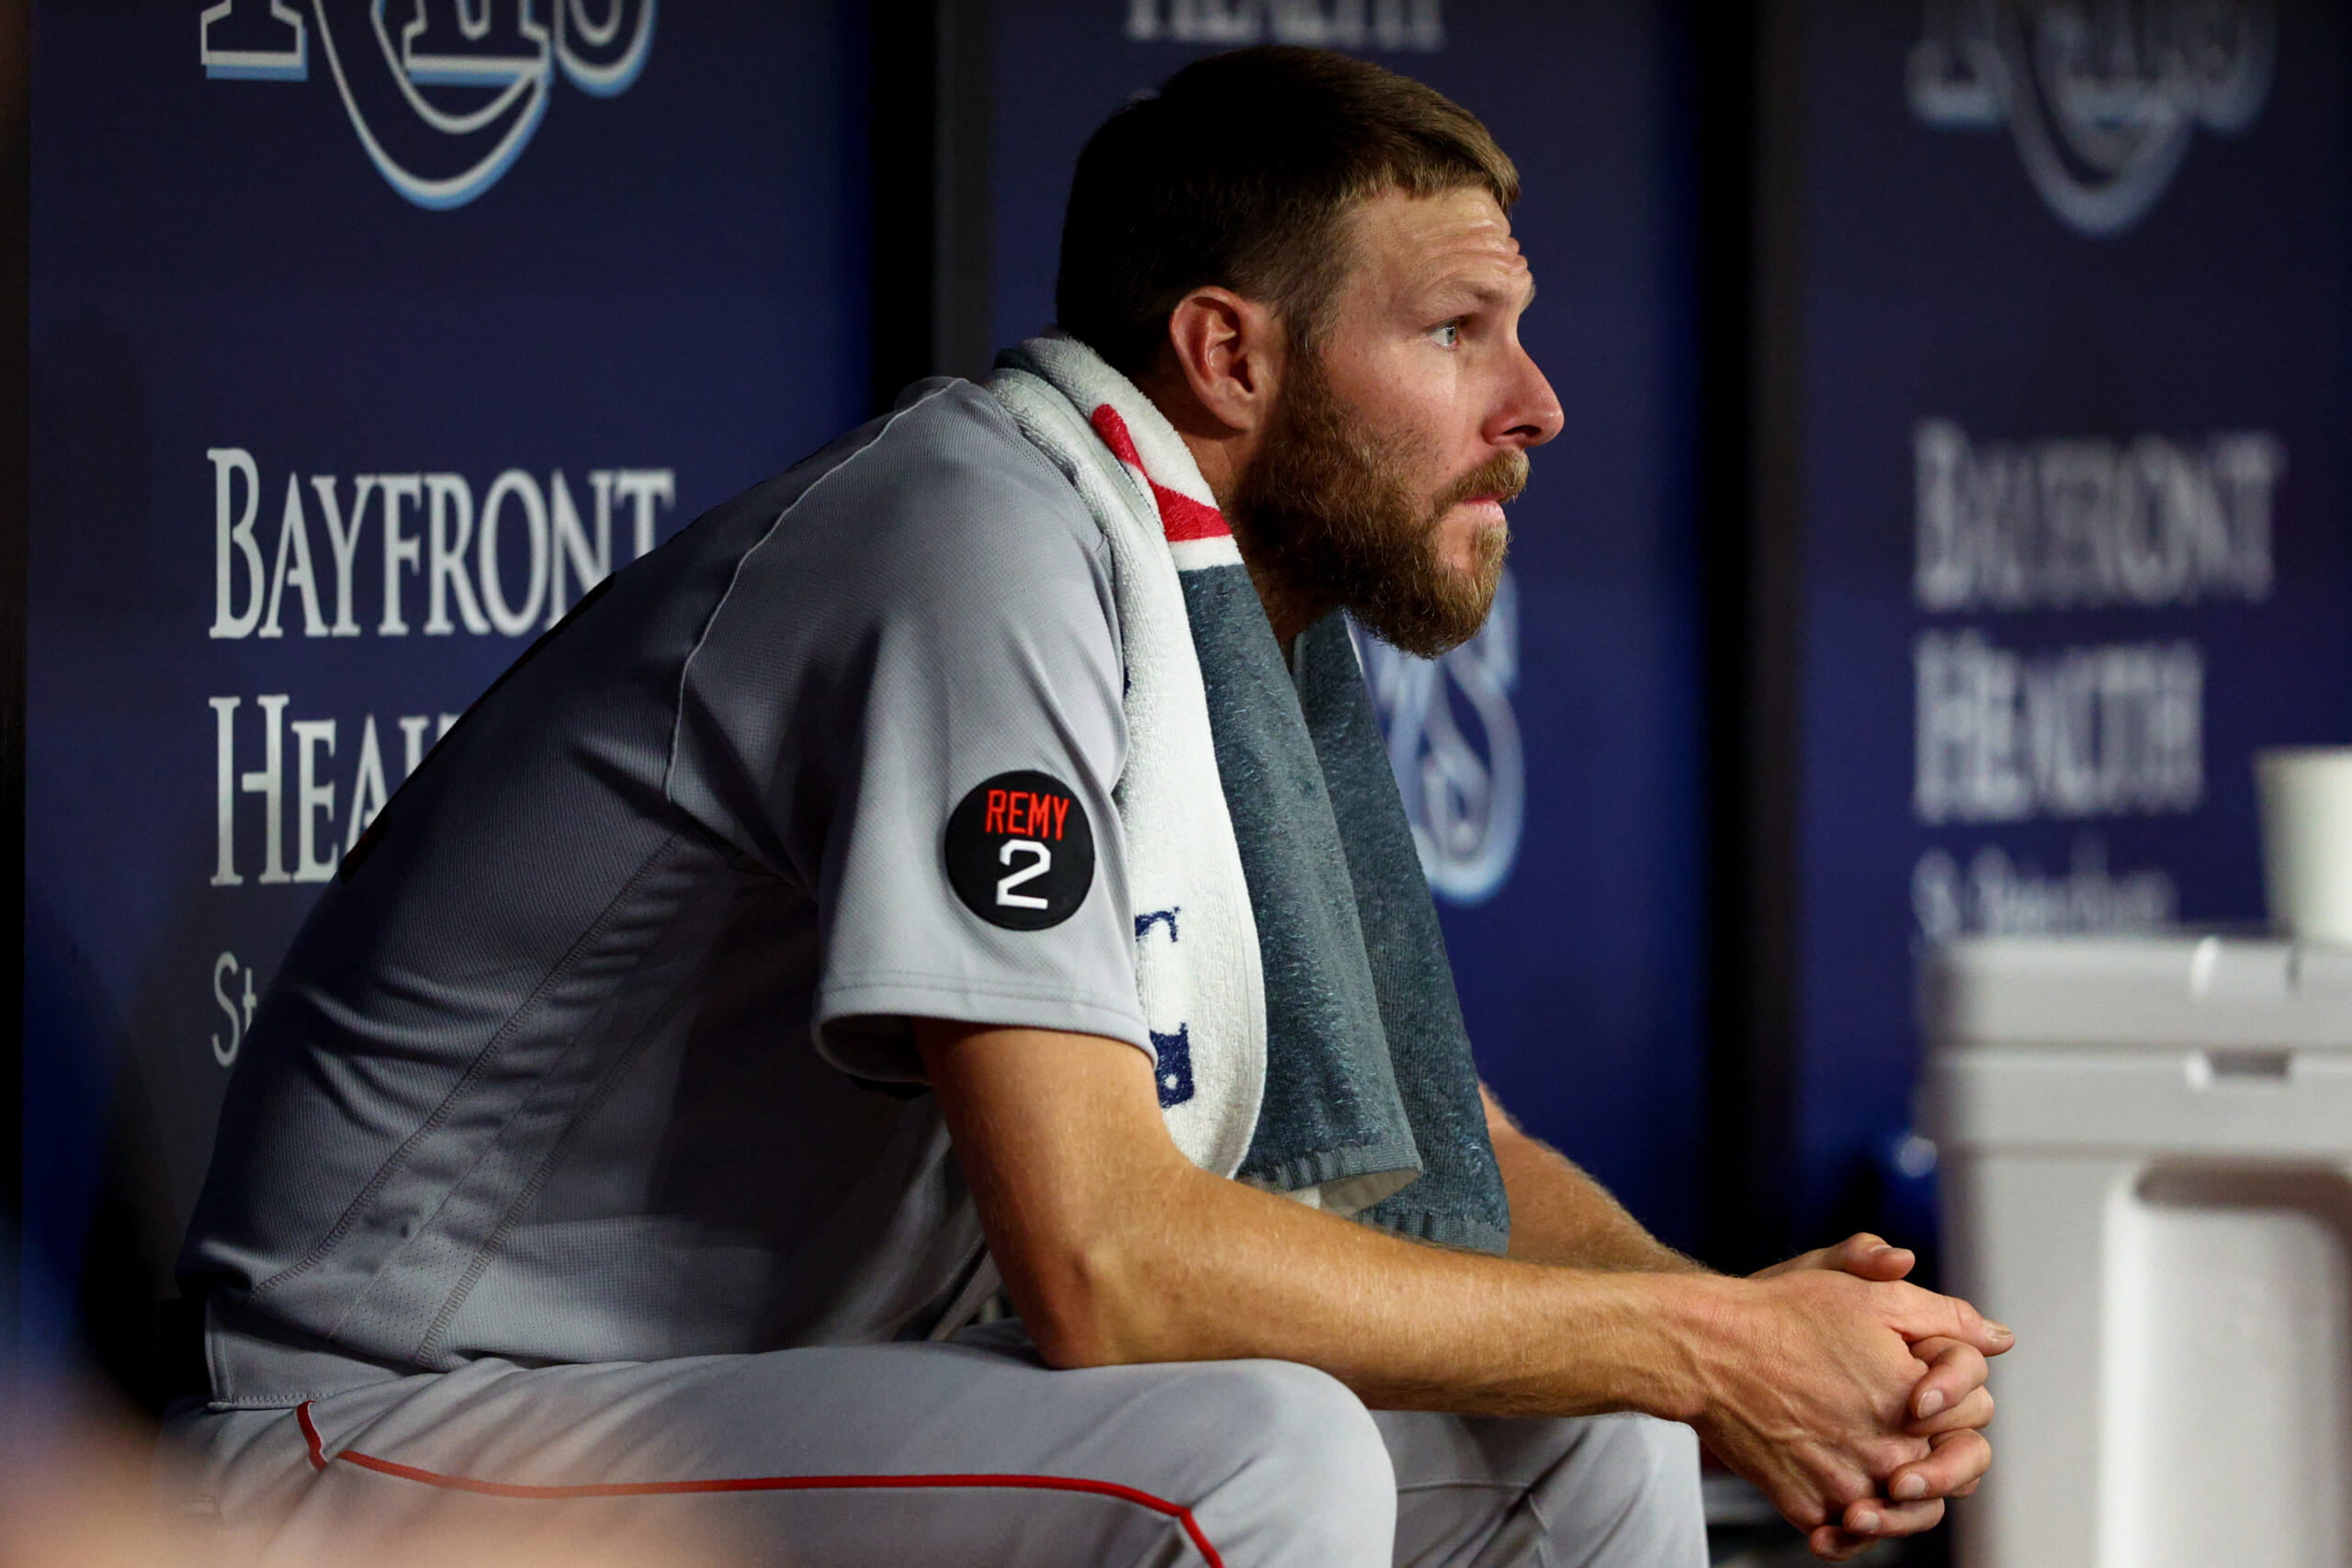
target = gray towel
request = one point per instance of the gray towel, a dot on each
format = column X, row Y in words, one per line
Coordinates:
column 1368, row 1065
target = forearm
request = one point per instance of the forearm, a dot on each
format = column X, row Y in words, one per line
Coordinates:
column 1226, row 1272
column 1560, row 1215
column 1119, row 1249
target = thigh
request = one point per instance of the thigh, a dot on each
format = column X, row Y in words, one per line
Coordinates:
column 909, row 1454
column 1595, row 1492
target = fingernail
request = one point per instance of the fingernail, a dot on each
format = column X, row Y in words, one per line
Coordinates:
column 1930, row 1402
column 2000, row 1330
column 1910, row 1488
column 1865, row 1522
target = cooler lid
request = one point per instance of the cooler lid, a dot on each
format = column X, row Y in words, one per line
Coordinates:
column 2156, row 992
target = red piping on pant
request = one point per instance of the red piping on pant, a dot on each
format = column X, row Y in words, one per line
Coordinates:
column 321, row 1459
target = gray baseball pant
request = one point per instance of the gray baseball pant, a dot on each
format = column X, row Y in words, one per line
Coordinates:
column 971, row 1453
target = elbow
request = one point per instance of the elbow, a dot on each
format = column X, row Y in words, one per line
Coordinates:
column 1087, row 1307
column 1069, row 1343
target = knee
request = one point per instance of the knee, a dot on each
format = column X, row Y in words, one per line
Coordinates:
column 1634, row 1481
column 1657, row 1459
column 1295, row 1419
column 1293, row 1410
column 1297, row 1469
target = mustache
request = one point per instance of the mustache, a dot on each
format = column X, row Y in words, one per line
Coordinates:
column 1503, row 476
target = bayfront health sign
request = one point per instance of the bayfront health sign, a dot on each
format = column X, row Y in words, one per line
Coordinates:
column 2070, row 391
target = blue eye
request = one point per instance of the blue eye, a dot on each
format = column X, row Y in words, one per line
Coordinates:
column 1447, row 335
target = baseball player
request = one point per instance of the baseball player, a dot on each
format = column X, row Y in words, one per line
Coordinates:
column 640, row 1121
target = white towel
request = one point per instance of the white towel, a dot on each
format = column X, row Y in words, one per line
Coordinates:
column 1196, row 941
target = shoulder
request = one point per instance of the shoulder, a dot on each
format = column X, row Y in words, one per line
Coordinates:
column 937, row 529
column 929, row 578
column 940, row 513
column 948, row 465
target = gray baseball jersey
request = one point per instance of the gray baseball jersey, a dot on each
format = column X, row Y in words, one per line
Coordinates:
column 589, row 1054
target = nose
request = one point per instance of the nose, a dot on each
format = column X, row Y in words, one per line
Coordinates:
column 1528, row 415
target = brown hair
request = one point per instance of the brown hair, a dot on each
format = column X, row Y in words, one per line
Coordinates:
column 1239, row 172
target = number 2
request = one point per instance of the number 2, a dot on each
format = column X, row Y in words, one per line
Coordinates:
column 1030, row 873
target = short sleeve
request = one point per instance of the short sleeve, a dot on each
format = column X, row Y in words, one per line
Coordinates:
column 911, row 702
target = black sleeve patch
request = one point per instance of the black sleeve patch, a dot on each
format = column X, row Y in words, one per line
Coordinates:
column 1020, row 852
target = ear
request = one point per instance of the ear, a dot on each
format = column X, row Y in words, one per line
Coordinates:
column 1229, row 353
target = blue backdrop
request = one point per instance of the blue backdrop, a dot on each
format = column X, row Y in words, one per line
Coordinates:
column 2070, row 403
column 360, row 346
column 321, row 303
column 1553, row 765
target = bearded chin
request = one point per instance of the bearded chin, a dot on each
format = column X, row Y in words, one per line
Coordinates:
column 1329, row 512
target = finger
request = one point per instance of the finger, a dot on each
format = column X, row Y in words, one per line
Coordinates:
column 1809, row 1509
column 1955, row 1370
column 1834, row 1545
column 1920, row 1316
column 1875, row 1516
column 1956, row 1459
column 1975, row 1410
column 1872, row 1258
column 1862, row 1255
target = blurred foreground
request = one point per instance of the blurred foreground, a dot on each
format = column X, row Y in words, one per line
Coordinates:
column 77, row 1489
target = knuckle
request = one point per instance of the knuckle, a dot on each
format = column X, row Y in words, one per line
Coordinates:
column 1969, row 1413
column 1965, row 1461
column 1885, row 1458
column 1913, row 1517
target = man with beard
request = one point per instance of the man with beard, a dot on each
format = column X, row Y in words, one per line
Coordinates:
column 532, row 1193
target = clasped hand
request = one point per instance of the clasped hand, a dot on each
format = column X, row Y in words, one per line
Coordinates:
column 1859, row 1404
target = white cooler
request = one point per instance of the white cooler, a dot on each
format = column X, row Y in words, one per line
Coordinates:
column 2146, row 1148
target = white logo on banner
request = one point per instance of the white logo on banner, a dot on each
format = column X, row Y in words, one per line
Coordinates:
column 2074, row 523
column 1466, row 798
column 508, row 558
column 2082, row 732
column 2084, row 523
column 1413, row 25
column 2102, row 95
column 444, row 101
column 1999, row 895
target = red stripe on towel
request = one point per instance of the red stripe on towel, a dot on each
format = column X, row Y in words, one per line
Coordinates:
column 1181, row 517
